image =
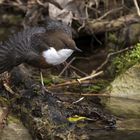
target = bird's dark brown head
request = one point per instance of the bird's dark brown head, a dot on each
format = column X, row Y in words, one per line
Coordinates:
column 61, row 33
column 61, row 40
column 68, row 42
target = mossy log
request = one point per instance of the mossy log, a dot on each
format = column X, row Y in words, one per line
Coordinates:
column 46, row 115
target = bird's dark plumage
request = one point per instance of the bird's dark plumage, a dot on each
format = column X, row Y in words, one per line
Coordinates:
column 53, row 25
column 27, row 46
column 15, row 51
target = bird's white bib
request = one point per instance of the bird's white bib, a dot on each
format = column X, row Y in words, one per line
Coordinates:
column 56, row 57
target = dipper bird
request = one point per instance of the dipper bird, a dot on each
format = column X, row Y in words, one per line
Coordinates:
column 41, row 47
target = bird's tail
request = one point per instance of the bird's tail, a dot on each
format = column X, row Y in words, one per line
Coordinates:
column 7, row 58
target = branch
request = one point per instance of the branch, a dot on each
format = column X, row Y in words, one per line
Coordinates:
column 98, row 26
column 137, row 7
column 109, row 12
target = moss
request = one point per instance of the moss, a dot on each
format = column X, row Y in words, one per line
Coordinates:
column 124, row 61
column 97, row 87
column 51, row 79
column 47, row 81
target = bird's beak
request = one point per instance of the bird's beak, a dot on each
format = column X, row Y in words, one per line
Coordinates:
column 77, row 49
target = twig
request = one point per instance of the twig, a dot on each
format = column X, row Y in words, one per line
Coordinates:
column 8, row 88
column 67, row 65
column 84, row 94
column 82, row 26
column 111, row 54
column 58, row 86
column 78, row 70
column 79, row 100
column 90, row 76
column 109, row 12
column 137, row 7
column 41, row 77
column 78, row 80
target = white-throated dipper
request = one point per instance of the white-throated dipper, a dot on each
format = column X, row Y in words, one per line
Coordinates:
column 41, row 47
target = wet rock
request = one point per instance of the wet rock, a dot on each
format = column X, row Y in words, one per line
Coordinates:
column 125, row 94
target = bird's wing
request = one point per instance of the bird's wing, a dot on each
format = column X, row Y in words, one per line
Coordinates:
column 22, row 40
column 7, row 58
column 14, row 51
column 41, row 42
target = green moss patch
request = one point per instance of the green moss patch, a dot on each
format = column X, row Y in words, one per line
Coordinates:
column 124, row 61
